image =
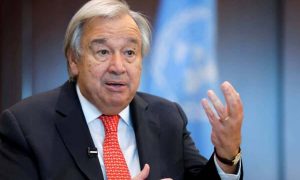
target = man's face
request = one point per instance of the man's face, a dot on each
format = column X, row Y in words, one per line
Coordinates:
column 109, row 68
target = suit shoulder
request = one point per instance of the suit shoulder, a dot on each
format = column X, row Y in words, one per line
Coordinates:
column 37, row 101
column 150, row 98
column 160, row 104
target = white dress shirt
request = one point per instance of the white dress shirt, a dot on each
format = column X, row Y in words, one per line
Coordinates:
column 126, row 138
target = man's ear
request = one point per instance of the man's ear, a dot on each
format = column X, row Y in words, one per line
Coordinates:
column 72, row 63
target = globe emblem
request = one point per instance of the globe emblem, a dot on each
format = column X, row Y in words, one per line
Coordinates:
column 183, row 67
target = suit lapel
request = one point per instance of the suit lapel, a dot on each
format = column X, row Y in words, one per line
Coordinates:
column 146, row 129
column 74, row 131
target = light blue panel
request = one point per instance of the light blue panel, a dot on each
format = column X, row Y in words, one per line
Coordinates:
column 292, row 112
column 43, row 62
column 247, row 54
column 292, row 89
column 26, row 49
column 50, row 65
column 49, row 23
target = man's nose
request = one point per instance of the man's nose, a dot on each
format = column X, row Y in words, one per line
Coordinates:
column 117, row 64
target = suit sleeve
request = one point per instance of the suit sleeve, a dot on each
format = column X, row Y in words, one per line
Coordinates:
column 195, row 165
column 16, row 159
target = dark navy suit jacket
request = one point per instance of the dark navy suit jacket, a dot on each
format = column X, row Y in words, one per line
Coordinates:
column 46, row 137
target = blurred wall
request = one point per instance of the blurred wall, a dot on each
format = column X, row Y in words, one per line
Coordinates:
column 257, row 50
column 10, row 52
column 291, row 88
column 248, row 55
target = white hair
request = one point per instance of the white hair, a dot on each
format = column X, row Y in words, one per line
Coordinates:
column 106, row 9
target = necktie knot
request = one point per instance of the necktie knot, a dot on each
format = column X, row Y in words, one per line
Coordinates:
column 110, row 122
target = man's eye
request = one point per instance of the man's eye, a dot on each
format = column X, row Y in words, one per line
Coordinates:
column 103, row 52
column 130, row 53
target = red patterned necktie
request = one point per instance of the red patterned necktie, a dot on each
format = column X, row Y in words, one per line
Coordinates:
column 114, row 161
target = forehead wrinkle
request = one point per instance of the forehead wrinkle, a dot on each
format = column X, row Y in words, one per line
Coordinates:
column 111, row 32
column 96, row 42
column 99, row 41
column 115, row 28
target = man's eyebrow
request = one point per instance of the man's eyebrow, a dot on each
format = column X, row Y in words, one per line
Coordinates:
column 133, row 40
column 104, row 41
column 98, row 41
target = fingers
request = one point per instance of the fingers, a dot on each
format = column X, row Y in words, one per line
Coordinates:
column 143, row 174
column 232, row 98
column 232, row 110
column 209, row 112
column 218, row 105
column 221, row 110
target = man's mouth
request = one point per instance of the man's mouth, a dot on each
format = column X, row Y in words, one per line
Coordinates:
column 115, row 83
column 115, row 86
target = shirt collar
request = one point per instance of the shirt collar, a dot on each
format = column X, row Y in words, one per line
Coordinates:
column 92, row 113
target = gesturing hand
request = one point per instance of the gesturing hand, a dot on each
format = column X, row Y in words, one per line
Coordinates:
column 226, row 122
column 145, row 173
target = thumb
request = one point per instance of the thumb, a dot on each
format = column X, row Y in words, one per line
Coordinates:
column 143, row 174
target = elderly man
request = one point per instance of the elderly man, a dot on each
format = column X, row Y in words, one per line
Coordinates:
column 97, row 126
